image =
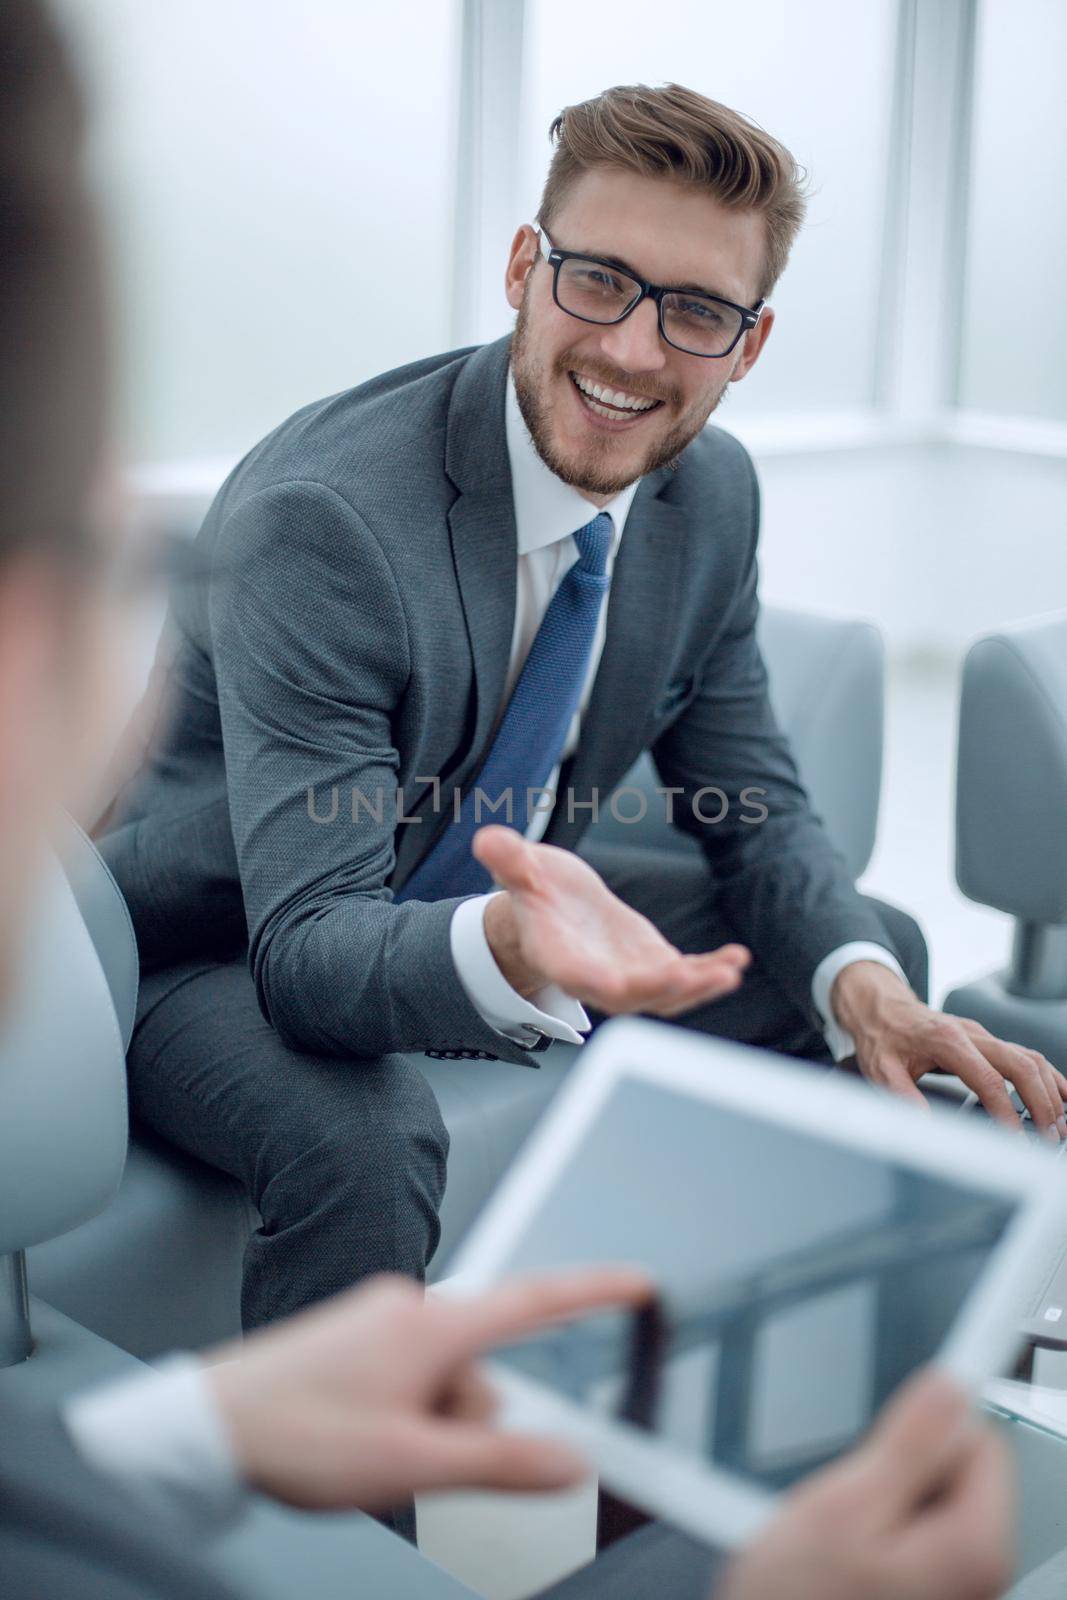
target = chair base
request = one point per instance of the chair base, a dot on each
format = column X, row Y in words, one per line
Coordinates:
column 16, row 1340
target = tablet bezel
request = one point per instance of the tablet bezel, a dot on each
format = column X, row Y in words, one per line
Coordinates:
column 708, row 1502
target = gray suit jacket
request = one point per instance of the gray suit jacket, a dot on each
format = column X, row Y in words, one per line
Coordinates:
column 356, row 637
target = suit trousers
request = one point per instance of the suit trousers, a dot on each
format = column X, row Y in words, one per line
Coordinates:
column 346, row 1159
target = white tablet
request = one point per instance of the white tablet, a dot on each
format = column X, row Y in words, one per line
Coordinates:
column 814, row 1241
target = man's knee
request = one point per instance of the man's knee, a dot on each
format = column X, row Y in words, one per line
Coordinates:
column 909, row 943
column 365, row 1130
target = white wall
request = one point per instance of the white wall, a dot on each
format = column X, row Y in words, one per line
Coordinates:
column 819, row 77
column 937, row 543
column 1014, row 355
column 279, row 181
column 282, row 182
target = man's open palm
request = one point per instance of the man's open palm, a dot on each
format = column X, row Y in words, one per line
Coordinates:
column 560, row 923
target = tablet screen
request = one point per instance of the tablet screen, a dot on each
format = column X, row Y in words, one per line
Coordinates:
column 801, row 1279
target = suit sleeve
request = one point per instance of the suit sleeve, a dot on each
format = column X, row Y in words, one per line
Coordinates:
column 781, row 885
column 312, row 664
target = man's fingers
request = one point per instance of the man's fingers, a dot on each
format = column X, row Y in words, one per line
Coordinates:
column 503, row 1314
column 894, row 1076
column 966, row 1534
column 508, row 856
column 1054, row 1082
column 694, row 980
column 466, row 1456
column 915, row 1442
column 664, row 986
column 470, row 1397
column 1032, row 1077
column 955, row 1052
column 1034, row 1085
column 737, row 956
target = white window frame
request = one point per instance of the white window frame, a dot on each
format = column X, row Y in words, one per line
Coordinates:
column 924, row 240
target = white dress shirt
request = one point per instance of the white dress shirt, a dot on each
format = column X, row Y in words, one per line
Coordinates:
column 163, row 1424
column 547, row 513
column 161, row 1427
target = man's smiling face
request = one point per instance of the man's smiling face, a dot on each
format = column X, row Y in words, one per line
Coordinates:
column 666, row 233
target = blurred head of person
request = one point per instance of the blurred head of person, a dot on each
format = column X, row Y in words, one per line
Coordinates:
column 56, row 623
column 660, row 186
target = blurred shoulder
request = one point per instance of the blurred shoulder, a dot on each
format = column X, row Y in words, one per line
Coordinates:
column 360, row 445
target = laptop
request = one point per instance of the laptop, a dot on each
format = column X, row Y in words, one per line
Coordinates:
column 1044, row 1323
column 812, row 1242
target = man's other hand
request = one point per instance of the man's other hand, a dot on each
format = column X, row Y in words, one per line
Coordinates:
column 923, row 1510
column 376, row 1395
column 560, row 923
column 898, row 1038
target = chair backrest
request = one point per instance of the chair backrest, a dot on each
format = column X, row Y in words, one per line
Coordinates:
column 827, row 685
column 62, row 1053
column 1011, row 771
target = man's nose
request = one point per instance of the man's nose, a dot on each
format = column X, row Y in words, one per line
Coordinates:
column 634, row 345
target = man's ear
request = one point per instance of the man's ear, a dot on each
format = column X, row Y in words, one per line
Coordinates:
column 753, row 343
column 521, row 259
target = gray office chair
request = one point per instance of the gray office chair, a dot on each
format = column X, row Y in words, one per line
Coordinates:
column 1011, row 826
column 62, row 1072
column 62, row 1146
column 162, row 1265
column 827, row 680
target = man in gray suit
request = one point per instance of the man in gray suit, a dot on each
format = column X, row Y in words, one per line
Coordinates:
column 490, row 575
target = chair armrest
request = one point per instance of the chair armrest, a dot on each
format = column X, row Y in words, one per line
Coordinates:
column 107, row 918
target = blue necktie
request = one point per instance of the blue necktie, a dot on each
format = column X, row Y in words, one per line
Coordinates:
column 531, row 735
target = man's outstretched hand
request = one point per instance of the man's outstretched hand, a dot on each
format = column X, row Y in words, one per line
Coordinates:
column 560, row 923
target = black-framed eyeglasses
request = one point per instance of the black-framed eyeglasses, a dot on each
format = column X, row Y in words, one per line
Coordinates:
column 594, row 290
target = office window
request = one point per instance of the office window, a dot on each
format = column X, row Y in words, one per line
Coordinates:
column 1014, row 332
column 819, row 76
column 279, row 183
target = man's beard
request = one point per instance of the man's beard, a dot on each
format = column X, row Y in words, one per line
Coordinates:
column 591, row 476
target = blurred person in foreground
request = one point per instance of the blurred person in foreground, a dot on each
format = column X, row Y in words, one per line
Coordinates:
column 376, row 1394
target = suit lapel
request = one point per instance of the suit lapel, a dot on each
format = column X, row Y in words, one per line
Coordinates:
column 481, row 526
column 643, row 605
column 483, row 540
column 643, row 608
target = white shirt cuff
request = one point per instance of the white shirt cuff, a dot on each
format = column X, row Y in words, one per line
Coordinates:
column 841, row 1042
column 550, row 1011
column 161, row 1428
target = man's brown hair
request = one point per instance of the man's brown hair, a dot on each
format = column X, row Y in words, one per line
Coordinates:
column 672, row 132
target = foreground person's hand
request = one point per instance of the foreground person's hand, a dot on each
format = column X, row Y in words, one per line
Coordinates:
column 560, row 923
column 923, row 1510
column 375, row 1395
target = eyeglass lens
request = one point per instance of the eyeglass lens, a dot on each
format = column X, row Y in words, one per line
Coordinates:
column 600, row 293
